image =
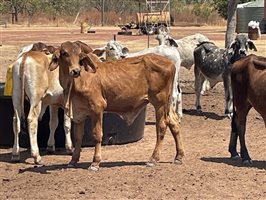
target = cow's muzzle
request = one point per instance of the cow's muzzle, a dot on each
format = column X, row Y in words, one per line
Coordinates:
column 242, row 52
column 75, row 72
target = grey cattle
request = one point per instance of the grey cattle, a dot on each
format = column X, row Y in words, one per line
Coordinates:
column 185, row 46
column 214, row 64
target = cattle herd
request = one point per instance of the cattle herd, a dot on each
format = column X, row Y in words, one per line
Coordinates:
column 85, row 82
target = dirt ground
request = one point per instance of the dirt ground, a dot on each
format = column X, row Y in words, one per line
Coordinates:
column 207, row 171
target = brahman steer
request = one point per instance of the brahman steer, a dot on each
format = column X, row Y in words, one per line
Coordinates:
column 248, row 84
column 32, row 78
column 124, row 86
column 214, row 64
column 185, row 46
column 114, row 51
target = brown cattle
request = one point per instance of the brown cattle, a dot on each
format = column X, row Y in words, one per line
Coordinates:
column 84, row 47
column 31, row 78
column 249, row 90
column 124, row 87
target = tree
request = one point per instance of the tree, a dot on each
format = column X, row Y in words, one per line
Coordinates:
column 222, row 6
column 231, row 21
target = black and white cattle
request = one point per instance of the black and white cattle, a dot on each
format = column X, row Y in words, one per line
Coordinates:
column 214, row 64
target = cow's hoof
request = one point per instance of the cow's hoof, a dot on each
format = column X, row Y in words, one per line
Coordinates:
column 236, row 157
column 228, row 115
column 38, row 160
column 94, row 167
column 203, row 93
column 50, row 149
column 178, row 161
column 15, row 158
column 69, row 151
column 247, row 162
column 151, row 163
column 72, row 164
column 198, row 108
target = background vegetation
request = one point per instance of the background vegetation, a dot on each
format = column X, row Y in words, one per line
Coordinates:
column 211, row 12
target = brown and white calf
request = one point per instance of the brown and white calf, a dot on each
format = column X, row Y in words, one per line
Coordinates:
column 33, row 80
column 125, row 87
column 248, row 78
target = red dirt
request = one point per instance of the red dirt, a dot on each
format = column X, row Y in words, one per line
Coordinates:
column 207, row 171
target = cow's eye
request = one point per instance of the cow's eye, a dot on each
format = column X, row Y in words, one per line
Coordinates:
column 63, row 53
column 111, row 48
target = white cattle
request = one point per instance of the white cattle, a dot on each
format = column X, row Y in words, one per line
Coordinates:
column 186, row 46
column 114, row 51
column 33, row 80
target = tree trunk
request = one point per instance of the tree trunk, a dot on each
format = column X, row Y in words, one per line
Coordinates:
column 231, row 21
column 16, row 15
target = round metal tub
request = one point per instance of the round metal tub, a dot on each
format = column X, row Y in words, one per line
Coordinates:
column 115, row 130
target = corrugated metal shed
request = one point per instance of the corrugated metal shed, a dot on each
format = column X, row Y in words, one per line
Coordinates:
column 251, row 11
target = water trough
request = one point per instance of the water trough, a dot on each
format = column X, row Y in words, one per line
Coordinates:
column 115, row 130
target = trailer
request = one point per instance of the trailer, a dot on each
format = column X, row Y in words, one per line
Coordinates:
column 155, row 18
column 153, row 22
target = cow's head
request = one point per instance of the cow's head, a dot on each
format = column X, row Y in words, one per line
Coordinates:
column 47, row 49
column 241, row 45
column 115, row 51
column 70, row 58
column 165, row 39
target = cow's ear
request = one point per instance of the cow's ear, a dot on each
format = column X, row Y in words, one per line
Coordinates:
column 251, row 45
column 232, row 45
column 125, row 50
column 99, row 52
column 54, row 62
column 87, row 63
column 172, row 42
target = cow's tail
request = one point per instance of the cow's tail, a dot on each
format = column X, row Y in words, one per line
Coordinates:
column 233, row 121
column 175, row 97
column 22, row 90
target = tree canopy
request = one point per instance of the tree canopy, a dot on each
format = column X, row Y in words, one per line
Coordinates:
column 221, row 6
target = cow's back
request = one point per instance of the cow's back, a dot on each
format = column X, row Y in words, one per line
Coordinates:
column 125, row 83
column 248, row 81
column 186, row 48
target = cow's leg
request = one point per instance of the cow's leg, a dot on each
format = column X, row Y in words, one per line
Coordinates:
column 161, row 126
column 175, row 130
column 233, row 137
column 239, row 129
column 33, row 128
column 53, row 123
column 179, row 103
column 198, row 86
column 96, row 123
column 67, row 128
column 242, row 118
column 16, row 129
column 205, row 87
column 228, row 111
column 78, row 135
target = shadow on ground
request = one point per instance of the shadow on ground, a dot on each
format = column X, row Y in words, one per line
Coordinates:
column 260, row 164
